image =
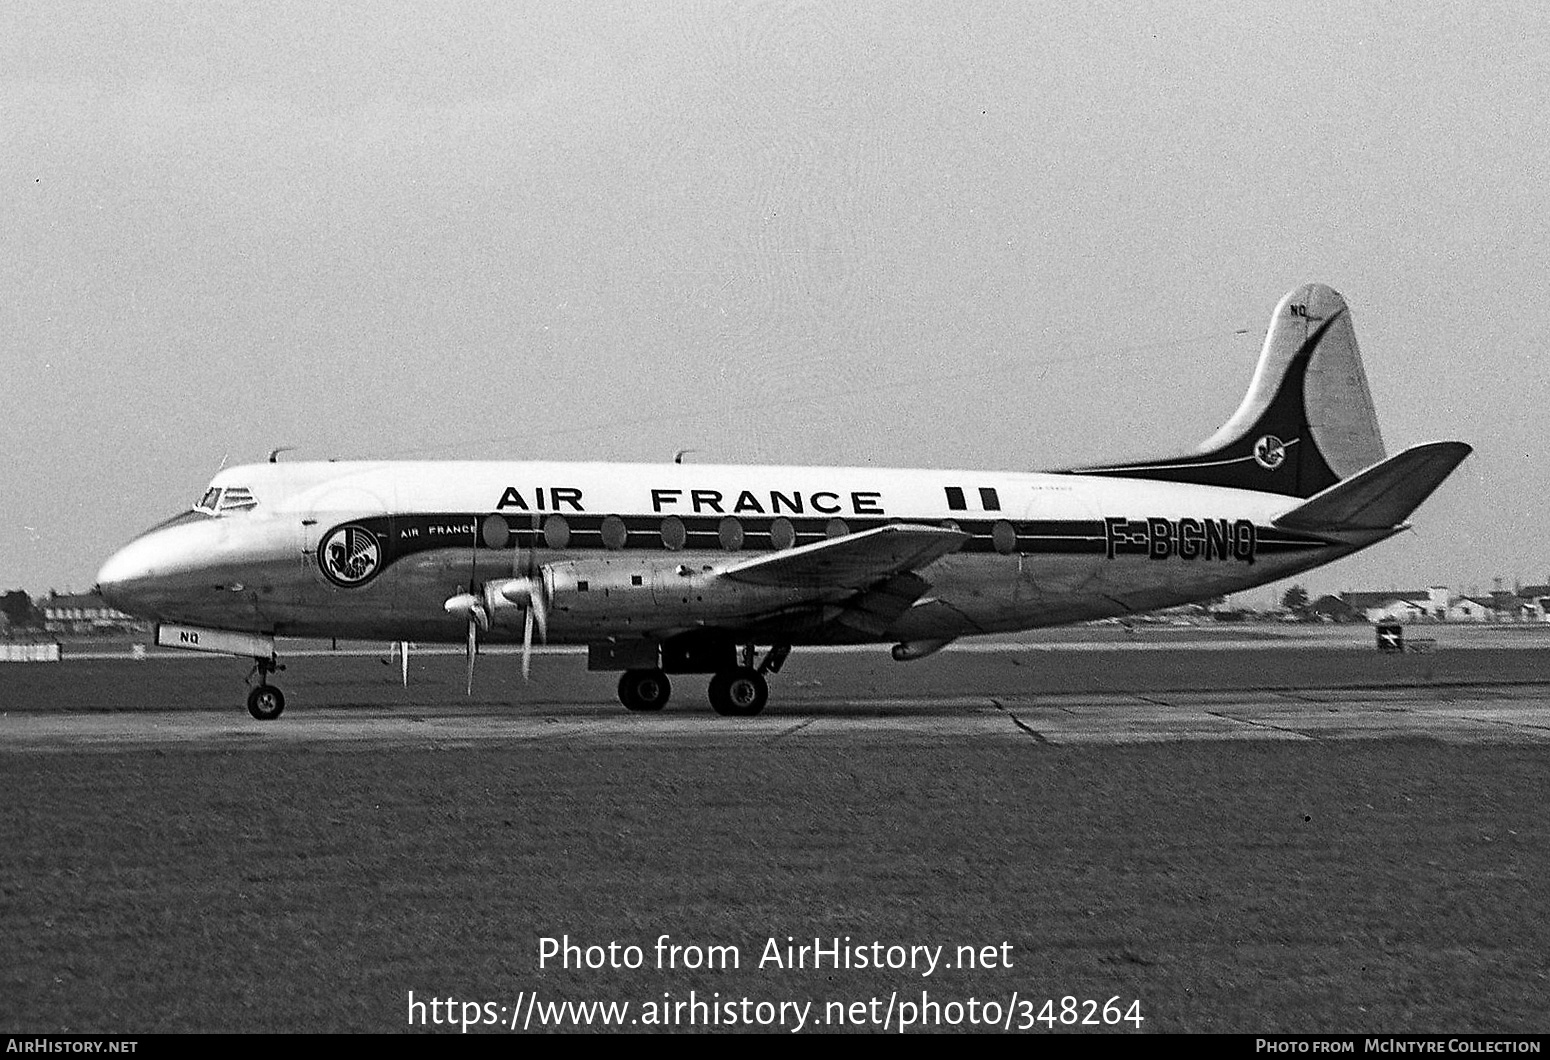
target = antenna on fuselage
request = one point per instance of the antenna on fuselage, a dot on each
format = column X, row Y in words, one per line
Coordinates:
column 274, row 454
column 678, row 457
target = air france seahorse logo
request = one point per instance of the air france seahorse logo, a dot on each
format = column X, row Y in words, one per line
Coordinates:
column 350, row 555
column 1269, row 452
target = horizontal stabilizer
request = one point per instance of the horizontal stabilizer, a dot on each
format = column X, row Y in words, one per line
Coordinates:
column 853, row 561
column 1382, row 496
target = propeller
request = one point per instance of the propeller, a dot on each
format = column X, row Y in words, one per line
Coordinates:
column 394, row 649
column 527, row 588
column 472, row 605
column 531, row 592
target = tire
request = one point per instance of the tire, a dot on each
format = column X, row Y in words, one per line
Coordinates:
column 644, row 690
column 266, row 702
column 739, row 693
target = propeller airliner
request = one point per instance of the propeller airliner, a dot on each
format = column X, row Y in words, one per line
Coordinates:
column 663, row 570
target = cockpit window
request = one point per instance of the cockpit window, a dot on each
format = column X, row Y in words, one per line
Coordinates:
column 237, row 499
column 218, row 501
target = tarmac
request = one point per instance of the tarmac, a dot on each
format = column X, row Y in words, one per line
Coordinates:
column 1471, row 686
column 1515, row 714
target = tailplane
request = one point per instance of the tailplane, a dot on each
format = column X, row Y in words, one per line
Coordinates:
column 1307, row 421
column 1382, row 496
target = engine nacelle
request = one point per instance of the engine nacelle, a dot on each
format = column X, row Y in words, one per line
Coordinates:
column 625, row 590
column 919, row 649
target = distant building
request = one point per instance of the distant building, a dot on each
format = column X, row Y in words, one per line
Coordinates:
column 1395, row 605
column 1533, row 603
column 1334, row 609
column 1473, row 609
column 83, row 613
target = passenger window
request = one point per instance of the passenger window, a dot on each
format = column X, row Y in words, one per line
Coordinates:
column 614, row 532
column 673, row 533
column 731, row 533
column 836, row 528
column 556, row 531
column 782, row 533
column 494, row 531
column 1004, row 536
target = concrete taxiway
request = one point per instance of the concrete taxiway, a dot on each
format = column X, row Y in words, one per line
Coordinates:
column 1479, row 714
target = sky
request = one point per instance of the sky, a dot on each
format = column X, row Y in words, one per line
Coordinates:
column 1009, row 236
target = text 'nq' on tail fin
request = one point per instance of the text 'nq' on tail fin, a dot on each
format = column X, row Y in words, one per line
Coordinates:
column 1307, row 421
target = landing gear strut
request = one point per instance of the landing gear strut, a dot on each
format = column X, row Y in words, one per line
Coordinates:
column 644, row 689
column 265, row 701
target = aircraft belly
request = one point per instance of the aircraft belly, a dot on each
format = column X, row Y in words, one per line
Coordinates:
column 1059, row 590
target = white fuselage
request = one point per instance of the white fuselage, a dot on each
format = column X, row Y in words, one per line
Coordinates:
column 373, row 549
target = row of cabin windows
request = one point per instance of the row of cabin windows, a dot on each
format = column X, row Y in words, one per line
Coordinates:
column 729, row 531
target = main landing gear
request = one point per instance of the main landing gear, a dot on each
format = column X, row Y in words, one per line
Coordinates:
column 735, row 692
column 739, row 693
column 644, row 689
column 265, row 701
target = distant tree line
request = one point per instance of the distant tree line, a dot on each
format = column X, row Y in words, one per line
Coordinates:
column 19, row 610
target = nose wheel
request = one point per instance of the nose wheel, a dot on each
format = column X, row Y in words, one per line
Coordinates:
column 265, row 702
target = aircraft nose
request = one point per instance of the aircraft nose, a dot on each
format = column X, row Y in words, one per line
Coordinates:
column 138, row 577
column 126, row 570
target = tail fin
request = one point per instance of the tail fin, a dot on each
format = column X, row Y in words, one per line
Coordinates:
column 1307, row 421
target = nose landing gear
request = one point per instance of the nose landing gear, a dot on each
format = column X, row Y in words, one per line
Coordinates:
column 265, row 701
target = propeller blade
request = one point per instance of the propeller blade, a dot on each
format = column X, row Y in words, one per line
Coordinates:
column 405, row 660
column 527, row 644
column 473, row 648
column 538, row 608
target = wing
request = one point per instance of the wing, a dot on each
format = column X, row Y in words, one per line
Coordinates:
column 866, row 580
column 855, row 561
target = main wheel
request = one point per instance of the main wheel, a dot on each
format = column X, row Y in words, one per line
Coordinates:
column 644, row 689
column 266, row 702
column 739, row 693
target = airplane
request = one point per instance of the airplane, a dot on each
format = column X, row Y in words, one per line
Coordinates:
column 663, row 570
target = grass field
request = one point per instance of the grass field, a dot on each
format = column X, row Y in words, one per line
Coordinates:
column 1343, row 885
column 1252, row 886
